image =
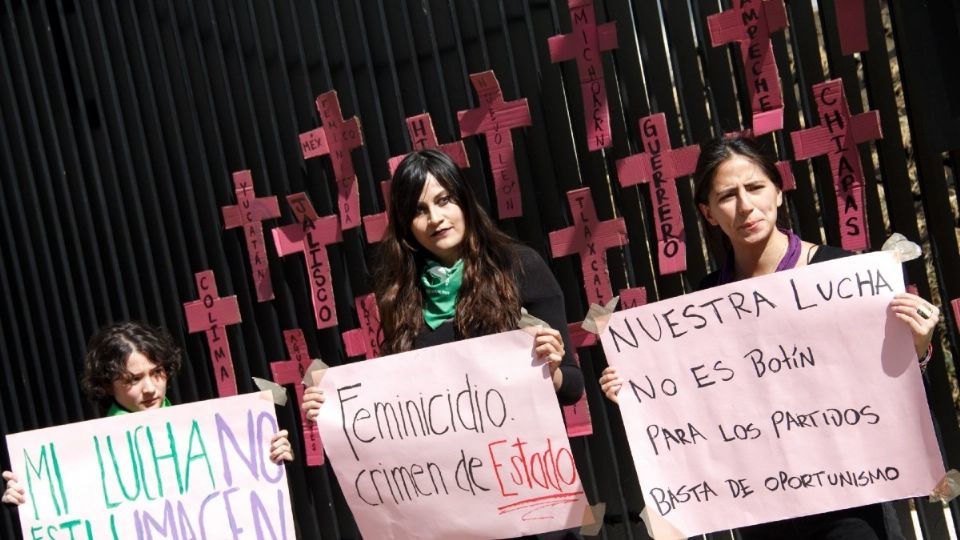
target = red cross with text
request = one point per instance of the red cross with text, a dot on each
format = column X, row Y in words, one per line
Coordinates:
column 293, row 371
column 375, row 225
column 311, row 235
column 590, row 238
column 584, row 45
column 249, row 213
column 422, row 136
column 495, row 118
column 365, row 340
column 750, row 23
column 838, row 135
column 576, row 417
column 660, row 166
column 336, row 138
column 211, row 315
column 851, row 25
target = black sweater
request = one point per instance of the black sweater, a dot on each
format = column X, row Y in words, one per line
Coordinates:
column 540, row 294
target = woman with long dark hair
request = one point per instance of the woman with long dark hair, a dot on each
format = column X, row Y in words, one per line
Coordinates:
column 738, row 190
column 447, row 273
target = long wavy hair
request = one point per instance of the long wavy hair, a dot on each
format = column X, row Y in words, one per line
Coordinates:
column 109, row 349
column 488, row 301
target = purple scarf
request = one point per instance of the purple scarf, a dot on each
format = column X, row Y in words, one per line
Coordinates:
column 789, row 260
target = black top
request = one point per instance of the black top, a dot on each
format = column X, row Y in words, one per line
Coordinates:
column 823, row 253
column 540, row 294
column 868, row 522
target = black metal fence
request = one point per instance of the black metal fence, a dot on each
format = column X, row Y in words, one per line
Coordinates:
column 123, row 121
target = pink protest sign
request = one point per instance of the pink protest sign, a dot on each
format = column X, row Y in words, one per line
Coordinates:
column 660, row 166
column 750, row 24
column 584, row 45
column 211, row 315
column 292, row 372
column 422, row 135
column 375, row 225
column 310, row 236
column 365, row 340
column 336, row 138
column 852, row 26
column 838, row 135
column 248, row 213
column 474, row 447
column 784, row 395
column 175, row 472
column 495, row 118
column 589, row 238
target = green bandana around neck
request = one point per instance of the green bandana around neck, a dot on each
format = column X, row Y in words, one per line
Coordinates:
column 116, row 409
column 441, row 286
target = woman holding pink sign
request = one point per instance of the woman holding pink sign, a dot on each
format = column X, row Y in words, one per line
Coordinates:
column 738, row 190
column 447, row 273
column 126, row 370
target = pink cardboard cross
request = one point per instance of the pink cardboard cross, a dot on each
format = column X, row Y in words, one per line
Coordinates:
column 750, row 23
column 659, row 167
column 577, row 416
column 336, row 138
column 786, row 172
column 584, row 45
column 838, row 135
column 495, row 118
column 375, row 225
column 211, row 315
column 590, row 238
column 633, row 297
column 852, row 26
column 249, row 213
column 422, row 136
column 365, row 340
column 292, row 371
column 311, row 235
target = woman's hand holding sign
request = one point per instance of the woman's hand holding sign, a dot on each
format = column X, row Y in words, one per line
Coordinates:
column 548, row 346
column 610, row 383
column 312, row 400
column 920, row 316
column 14, row 494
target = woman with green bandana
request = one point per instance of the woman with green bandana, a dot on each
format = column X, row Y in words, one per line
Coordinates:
column 447, row 273
column 126, row 369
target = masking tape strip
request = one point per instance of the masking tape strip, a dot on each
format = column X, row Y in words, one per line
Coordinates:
column 598, row 316
column 318, row 367
column 657, row 525
column 277, row 392
column 593, row 519
column 948, row 488
column 645, row 516
column 527, row 320
column 905, row 249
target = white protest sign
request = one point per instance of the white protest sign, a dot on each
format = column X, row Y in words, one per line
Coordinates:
column 464, row 440
column 789, row 394
column 200, row 470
